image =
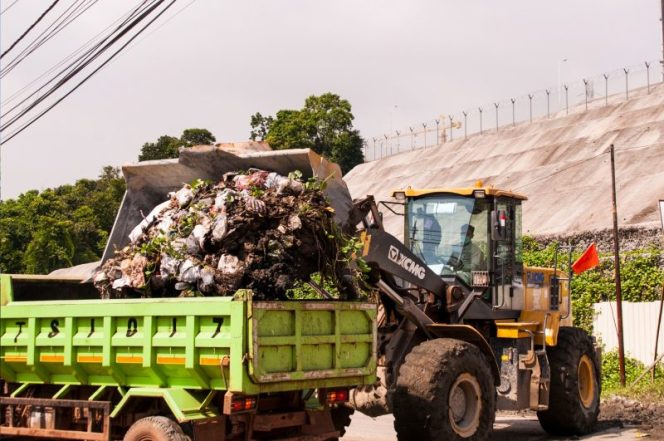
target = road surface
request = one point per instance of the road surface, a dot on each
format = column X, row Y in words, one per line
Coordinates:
column 508, row 427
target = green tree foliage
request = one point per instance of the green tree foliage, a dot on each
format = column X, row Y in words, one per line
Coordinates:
column 641, row 277
column 324, row 124
column 59, row 227
column 169, row 147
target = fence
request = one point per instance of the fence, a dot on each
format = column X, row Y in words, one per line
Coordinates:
column 567, row 97
column 639, row 328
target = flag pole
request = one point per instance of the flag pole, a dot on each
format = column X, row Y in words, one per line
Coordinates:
column 616, row 252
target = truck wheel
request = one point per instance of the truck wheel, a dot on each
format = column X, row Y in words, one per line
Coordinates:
column 155, row 428
column 341, row 418
column 444, row 391
column 575, row 385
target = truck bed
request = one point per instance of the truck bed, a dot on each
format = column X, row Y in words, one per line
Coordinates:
column 209, row 343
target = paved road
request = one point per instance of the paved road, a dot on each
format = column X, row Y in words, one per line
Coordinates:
column 507, row 428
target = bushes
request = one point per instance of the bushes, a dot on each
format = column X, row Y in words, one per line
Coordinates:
column 633, row 368
column 641, row 276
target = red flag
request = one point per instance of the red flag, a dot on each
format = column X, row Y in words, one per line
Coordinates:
column 588, row 260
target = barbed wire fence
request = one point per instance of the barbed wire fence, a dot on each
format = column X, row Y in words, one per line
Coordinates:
column 569, row 97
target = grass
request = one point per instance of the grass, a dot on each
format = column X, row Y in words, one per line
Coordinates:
column 644, row 390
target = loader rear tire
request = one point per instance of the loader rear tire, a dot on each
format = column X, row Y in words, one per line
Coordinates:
column 155, row 428
column 575, row 385
column 445, row 391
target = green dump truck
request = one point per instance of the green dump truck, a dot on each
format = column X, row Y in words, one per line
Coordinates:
column 74, row 366
column 207, row 368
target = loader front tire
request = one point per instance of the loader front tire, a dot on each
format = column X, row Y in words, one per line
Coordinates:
column 445, row 391
column 155, row 428
column 575, row 385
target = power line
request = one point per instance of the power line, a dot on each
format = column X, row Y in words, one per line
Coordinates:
column 51, row 30
column 64, row 60
column 7, row 8
column 37, row 117
column 80, row 63
column 30, row 27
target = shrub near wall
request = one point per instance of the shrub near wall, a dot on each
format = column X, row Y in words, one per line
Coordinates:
column 641, row 270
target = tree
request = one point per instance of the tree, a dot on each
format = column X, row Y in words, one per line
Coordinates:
column 165, row 147
column 63, row 226
column 169, row 147
column 324, row 124
column 192, row 137
column 260, row 126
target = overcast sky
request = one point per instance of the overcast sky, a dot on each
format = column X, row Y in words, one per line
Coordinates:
column 217, row 62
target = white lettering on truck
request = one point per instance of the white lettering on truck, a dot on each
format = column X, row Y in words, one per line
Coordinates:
column 405, row 262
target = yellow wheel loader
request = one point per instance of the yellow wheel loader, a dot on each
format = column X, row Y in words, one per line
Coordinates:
column 467, row 328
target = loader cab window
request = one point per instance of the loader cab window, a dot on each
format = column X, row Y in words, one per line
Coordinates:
column 449, row 232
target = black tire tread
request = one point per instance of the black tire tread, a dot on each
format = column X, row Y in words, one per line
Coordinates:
column 566, row 415
column 417, row 402
column 165, row 429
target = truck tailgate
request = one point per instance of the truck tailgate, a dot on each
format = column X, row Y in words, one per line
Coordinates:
column 311, row 340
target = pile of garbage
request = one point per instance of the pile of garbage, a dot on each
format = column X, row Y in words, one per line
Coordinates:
column 255, row 230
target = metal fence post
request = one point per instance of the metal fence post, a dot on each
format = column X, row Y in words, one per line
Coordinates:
column 465, row 124
column 566, row 99
column 530, row 106
column 424, row 125
column 626, row 83
column 374, row 148
column 496, row 105
column 548, row 103
column 412, row 138
column 480, row 109
column 648, row 75
column 451, row 127
column 437, row 132
column 398, row 141
column 606, row 89
column 381, row 149
column 513, row 112
column 585, row 85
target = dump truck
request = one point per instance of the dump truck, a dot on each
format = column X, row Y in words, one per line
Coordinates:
column 466, row 327
column 75, row 366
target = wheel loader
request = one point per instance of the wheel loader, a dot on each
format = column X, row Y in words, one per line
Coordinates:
column 466, row 328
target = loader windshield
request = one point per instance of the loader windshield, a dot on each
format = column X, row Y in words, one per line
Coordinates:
column 449, row 232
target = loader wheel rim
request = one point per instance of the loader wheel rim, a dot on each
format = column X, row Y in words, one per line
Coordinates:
column 465, row 405
column 586, row 377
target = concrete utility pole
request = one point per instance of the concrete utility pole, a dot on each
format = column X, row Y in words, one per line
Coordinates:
column 661, row 20
column 616, row 252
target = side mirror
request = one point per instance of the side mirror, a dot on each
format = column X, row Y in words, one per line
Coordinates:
column 499, row 225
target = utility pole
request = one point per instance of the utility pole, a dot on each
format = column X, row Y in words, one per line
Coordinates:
column 616, row 252
column 661, row 20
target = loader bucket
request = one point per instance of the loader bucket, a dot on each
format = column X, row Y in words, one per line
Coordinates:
column 149, row 182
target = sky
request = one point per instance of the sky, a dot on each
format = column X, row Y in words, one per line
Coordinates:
column 217, row 62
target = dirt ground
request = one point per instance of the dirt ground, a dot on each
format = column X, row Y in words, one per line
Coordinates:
column 648, row 417
column 620, row 418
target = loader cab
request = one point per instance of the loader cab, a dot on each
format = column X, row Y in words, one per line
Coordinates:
column 469, row 236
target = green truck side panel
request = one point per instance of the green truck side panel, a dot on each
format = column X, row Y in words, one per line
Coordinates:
column 213, row 343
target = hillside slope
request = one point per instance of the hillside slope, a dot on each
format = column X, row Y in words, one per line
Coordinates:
column 561, row 163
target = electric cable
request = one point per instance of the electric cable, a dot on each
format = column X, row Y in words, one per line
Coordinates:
column 78, row 64
column 55, row 2
column 7, row 8
column 52, row 30
column 37, row 117
column 63, row 61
